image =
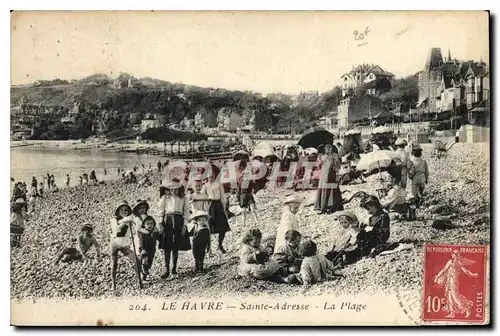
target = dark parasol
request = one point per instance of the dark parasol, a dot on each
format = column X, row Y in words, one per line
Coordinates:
column 315, row 137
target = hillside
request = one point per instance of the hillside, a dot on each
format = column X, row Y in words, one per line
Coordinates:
column 113, row 106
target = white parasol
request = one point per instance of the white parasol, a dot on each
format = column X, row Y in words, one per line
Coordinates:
column 382, row 130
column 376, row 160
column 352, row 132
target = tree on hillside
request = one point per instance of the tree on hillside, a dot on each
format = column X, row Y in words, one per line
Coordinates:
column 99, row 79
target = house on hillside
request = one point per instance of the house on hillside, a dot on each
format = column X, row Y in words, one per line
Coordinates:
column 205, row 118
column 373, row 77
column 229, row 118
column 150, row 122
column 187, row 123
column 233, row 122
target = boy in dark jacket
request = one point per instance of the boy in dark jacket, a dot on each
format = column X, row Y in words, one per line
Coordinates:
column 148, row 237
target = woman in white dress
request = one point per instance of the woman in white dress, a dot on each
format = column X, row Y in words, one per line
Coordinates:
column 288, row 219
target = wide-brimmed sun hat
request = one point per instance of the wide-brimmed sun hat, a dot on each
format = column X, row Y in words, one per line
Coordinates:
column 122, row 204
column 293, row 199
column 139, row 204
column 347, row 214
column 198, row 214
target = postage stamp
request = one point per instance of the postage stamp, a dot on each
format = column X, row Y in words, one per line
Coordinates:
column 455, row 283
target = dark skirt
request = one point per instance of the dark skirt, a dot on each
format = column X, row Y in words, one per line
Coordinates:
column 173, row 237
column 218, row 219
column 328, row 200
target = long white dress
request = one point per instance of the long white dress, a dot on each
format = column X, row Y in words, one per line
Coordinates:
column 288, row 222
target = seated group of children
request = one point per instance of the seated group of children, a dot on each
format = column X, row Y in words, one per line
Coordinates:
column 297, row 262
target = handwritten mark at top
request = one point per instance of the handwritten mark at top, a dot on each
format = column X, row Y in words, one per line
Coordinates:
column 404, row 31
column 360, row 36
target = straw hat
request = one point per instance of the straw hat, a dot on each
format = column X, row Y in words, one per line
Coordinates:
column 140, row 203
column 347, row 214
column 122, row 204
column 197, row 214
column 293, row 199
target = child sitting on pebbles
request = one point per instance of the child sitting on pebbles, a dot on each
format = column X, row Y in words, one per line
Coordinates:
column 374, row 237
column 314, row 268
column 345, row 244
column 148, row 236
column 85, row 241
column 70, row 254
column 288, row 256
column 254, row 261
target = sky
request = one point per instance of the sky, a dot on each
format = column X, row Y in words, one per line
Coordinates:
column 285, row 51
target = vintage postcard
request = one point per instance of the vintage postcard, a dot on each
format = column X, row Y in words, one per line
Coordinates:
column 250, row 168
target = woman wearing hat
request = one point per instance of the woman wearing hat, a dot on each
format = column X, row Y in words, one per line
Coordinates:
column 219, row 224
column 174, row 212
column 288, row 219
column 121, row 226
column 328, row 198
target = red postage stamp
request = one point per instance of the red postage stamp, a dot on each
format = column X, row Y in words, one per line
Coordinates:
column 455, row 283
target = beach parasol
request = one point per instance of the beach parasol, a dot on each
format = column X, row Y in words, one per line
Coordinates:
column 382, row 130
column 240, row 154
column 377, row 160
column 315, row 137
